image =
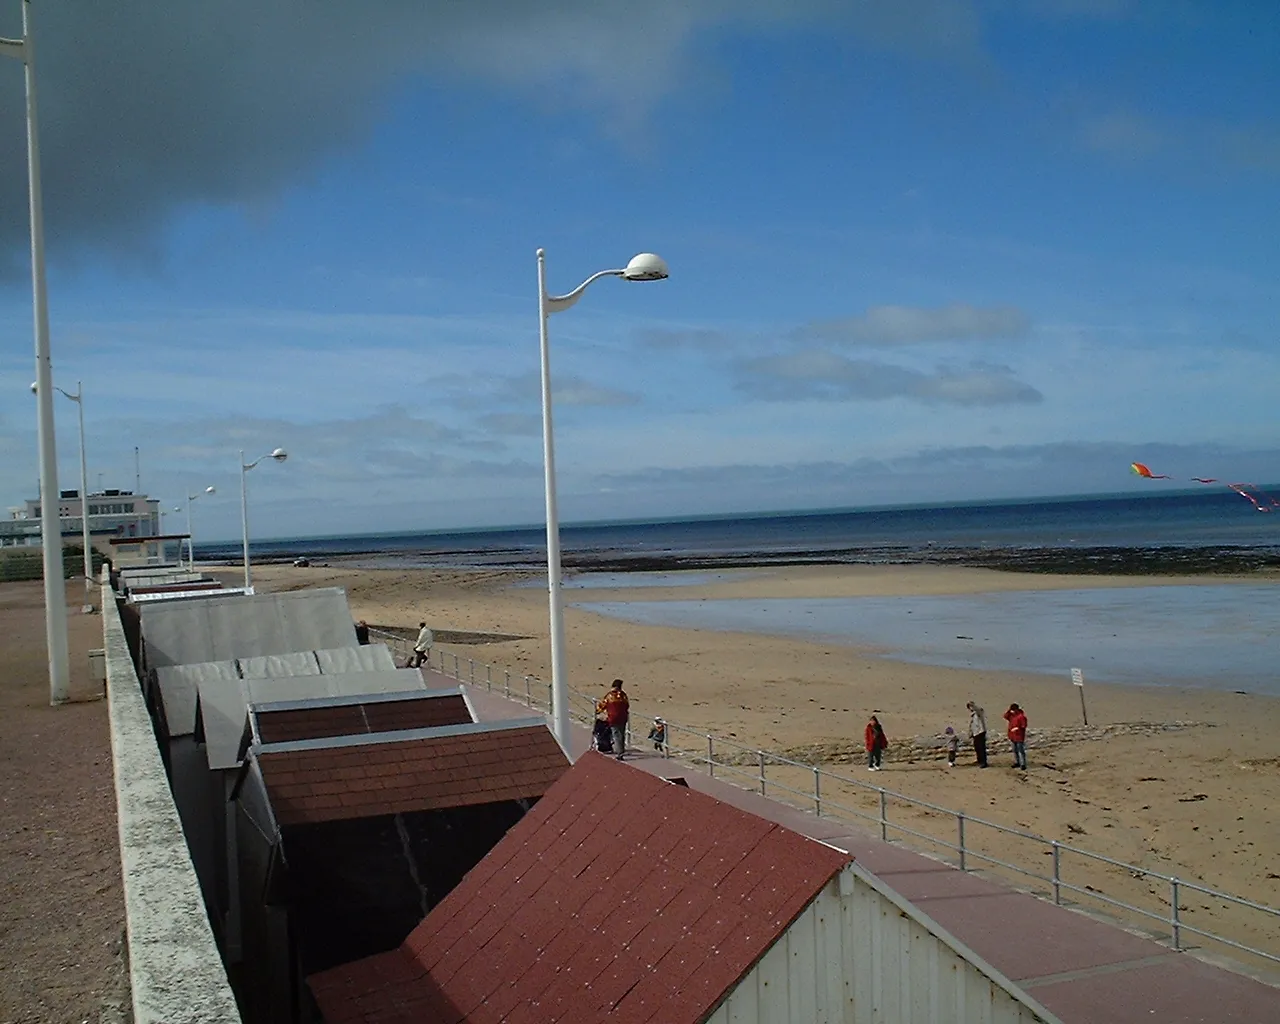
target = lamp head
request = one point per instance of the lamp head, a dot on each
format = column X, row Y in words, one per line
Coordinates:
column 646, row 267
column 34, row 388
column 210, row 490
column 279, row 455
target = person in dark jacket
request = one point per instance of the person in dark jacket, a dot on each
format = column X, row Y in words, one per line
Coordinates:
column 1017, row 719
column 876, row 742
column 978, row 732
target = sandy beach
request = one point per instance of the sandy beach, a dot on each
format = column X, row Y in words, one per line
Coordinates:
column 1183, row 782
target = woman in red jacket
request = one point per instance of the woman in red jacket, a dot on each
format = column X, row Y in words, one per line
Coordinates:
column 1017, row 719
column 876, row 742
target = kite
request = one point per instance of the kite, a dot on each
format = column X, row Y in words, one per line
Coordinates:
column 1260, row 500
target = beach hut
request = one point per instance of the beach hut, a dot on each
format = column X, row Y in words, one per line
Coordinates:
column 624, row 897
column 348, row 842
column 221, row 714
column 218, row 628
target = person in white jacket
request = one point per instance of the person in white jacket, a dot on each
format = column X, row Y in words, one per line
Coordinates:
column 978, row 731
column 422, row 646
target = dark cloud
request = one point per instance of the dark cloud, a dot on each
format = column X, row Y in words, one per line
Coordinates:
column 146, row 106
column 903, row 325
column 818, row 374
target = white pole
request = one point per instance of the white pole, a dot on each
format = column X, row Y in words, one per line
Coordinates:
column 244, row 517
column 559, row 687
column 55, row 594
column 84, row 499
column 191, row 551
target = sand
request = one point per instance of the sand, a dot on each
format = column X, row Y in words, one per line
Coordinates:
column 1200, row 800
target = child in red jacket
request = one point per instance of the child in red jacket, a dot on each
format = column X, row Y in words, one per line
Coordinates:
column 1017, row 719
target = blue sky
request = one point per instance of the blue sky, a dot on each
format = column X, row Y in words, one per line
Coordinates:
column 920, row 250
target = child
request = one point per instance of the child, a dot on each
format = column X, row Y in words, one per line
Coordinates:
column 658, row 734
column 953, row 747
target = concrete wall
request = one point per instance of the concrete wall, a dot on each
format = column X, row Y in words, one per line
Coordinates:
column 175, row 971
column 860, row 954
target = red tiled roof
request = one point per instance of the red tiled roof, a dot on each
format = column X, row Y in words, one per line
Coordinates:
column 619, row 897
column 313, row 784
column 350, row 719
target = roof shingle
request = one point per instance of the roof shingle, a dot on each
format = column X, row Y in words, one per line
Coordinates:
column 619, row 897
column 312, row 784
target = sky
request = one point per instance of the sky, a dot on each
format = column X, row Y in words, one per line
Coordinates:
column 920, row 250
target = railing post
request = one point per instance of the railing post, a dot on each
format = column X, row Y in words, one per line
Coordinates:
column 884, row 817
column 711, row 756
column 960, row 825
column 550, row 699
column 817, row 791
column 761, row 753
column 1173, row 914
column 528, row 692
column 506, row 682
column 488, row 677
column 471, row 670
column 1057, row 873
column 666, row 739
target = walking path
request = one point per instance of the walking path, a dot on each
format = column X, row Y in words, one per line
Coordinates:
column 1085, row 970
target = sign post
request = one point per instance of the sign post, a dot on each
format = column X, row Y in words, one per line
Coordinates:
column 1077, row 677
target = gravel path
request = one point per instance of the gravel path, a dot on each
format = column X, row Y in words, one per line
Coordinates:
column 61, row 903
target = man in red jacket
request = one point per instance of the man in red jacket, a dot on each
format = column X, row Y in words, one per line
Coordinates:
column 617, row 709
column 1017, row 719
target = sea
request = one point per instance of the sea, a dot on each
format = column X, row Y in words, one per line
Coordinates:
column 1212, row 634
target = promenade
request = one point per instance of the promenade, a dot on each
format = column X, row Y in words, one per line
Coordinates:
column 1086, row 970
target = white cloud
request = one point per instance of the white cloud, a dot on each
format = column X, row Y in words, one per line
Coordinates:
column 818, row 374
column 900, row 325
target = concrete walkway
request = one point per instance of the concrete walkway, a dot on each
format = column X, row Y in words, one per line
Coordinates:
column 1085, row 970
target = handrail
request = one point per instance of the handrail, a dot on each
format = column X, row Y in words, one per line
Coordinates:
column 820, row 804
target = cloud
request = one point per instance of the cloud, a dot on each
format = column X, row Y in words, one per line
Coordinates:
column 512, row 424
column 818, row 374
column 567, row 389
column 900, row 325
column 1123, row 134
column 146, row 107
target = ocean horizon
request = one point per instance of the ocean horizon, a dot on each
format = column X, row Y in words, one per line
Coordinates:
column 1186, row 519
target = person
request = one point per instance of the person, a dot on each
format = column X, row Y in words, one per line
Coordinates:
column 421, row 646
column 953, row 747
column 978, row 732
column 362, row 633
column 876, row 742
column 617, row 709
column 1017, row 719
column 658, row 734
column 601, row 734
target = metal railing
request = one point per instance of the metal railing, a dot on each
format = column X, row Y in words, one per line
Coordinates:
column 813, row 788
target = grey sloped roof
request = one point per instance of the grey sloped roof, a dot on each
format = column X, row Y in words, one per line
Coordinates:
column 224, row 703
column 244, row 626
column 179, row 687
column 370, row 658
column 297, row 663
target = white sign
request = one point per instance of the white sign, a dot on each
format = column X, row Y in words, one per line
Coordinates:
column 1077, row 677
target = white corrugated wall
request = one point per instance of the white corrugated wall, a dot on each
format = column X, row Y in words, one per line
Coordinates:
column 860, row 954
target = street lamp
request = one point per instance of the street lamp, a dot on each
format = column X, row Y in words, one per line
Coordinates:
column 55, row 595
column 644, row 267
column 78, row 398
column 279, row 455
column 191, row 544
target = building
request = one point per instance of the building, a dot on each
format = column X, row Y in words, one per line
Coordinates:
column 112, row 513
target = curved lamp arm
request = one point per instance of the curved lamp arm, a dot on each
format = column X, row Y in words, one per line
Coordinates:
column 556, row 303
column 279, row 454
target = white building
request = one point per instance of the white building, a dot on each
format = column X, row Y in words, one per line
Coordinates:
column 112, row 513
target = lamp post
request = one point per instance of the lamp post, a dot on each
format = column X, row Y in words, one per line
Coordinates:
column 279, row 455
column 55, row 596
column 78, row 398
column 191, row 544
column 644, row 267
